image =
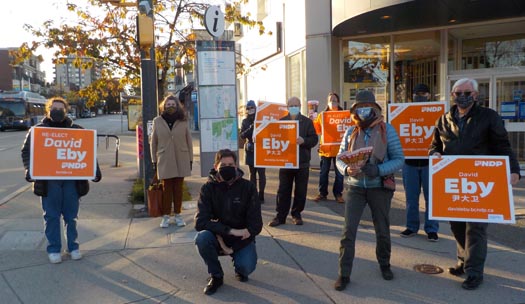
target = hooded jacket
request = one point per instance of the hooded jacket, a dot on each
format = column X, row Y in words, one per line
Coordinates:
column 222, row 207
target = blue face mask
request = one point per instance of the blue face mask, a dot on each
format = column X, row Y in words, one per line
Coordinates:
column 364, row 113
column 294, row 110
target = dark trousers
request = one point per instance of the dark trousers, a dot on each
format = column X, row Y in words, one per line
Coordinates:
column 337, row 189
column 471, row 243
column 262, row 179
column 379, row 200
column 287, row 177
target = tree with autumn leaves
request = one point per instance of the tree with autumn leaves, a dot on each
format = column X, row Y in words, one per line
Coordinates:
column 107, row 34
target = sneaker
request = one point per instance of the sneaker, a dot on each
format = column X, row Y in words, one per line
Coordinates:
column 240, row 277
column 54, row 258
column 341, row 282
column 407, row 233
column 386, row 272
column 297, row 220
column 456, row 270
column 339, row 199
column 179, row 221
column 319, row 198
column 432, row 237
column 472, row 282
column 213, row 284
column 75, row 255
column 275, row 222
column 165, row 222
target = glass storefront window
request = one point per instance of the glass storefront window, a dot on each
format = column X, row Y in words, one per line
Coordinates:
column 416, row 60
column 366, row 67
column 510, row 104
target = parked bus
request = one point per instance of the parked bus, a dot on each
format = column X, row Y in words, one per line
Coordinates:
column 20, row 110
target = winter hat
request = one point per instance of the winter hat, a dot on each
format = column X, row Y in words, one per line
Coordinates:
column 365, row 97
column 421, row 88
column 250, row 103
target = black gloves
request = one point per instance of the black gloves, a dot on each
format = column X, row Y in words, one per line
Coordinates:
column 370, row 170
column 28, row 176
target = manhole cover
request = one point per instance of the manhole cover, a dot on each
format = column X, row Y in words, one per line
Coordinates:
column 428, row 269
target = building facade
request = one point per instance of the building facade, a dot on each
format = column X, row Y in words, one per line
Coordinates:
column 74, row 73
column 26, row 76
column 389, row 46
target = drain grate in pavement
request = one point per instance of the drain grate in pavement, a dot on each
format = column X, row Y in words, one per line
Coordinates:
column 428, row 269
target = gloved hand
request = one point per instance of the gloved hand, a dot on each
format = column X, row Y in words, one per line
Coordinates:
column 191, row 165
column 370, row 170
column 97, row 179
column 28, row 176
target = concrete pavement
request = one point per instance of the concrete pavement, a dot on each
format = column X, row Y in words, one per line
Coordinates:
column 132, row 260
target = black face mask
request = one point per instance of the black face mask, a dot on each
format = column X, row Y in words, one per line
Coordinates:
column 463, row 101
column 228, row 173
column 170, row 110
column 57, row 115
column 418, row 98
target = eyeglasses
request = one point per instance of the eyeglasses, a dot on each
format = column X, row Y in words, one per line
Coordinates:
column 466, row 93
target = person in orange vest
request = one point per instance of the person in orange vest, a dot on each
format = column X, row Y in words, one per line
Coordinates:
column 327, row 153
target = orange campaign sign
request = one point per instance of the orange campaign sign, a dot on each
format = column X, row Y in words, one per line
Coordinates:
column 334, row 125
column 276, row 144
column 60, row 153
column 415, row 123
column 471, row 188
column 270, row 111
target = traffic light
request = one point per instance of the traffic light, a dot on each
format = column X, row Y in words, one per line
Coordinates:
column 145, row 26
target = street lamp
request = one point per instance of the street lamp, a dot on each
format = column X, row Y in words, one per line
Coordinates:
column 148, row 77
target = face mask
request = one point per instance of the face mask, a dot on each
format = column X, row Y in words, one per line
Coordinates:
column 294, row 110
column 463, row 101
column 170, row 110
column 419, row 98
column 57, row 115
column 228, row 173
column 364, row 113
column 251, row 111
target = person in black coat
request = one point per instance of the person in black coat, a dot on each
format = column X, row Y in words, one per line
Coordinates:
column 228, row 208
column 247, row 127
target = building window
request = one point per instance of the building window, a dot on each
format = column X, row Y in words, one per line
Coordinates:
column 297, row 75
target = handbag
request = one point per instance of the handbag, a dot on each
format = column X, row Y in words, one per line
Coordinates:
column 155, row 194
column 389, row 182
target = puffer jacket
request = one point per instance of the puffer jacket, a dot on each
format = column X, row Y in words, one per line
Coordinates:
column 483, row 134
column 40, row 186
column 392, row 162
column 222, row 207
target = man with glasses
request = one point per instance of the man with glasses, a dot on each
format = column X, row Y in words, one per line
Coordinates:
column 469, row 129
column 228, row 207
column 307, row 140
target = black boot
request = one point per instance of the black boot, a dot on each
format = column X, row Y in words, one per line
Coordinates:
column 386, row 272
column 341, row 282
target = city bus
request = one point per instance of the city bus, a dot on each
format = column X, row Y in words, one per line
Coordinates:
column 20, row 110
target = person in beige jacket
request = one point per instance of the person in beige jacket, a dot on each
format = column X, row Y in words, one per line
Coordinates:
column 172, row 156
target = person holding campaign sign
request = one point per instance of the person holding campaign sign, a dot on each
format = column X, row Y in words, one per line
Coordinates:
column 307, row 140
column 470, row 129
column 372, row 151
column 172, row 156
column 59, row 197
column 327, row 153
column 247, row 127
column 415, row 177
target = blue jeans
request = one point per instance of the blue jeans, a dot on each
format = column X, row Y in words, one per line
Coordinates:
column 61, row 200
column 337, row 189
column 414, row 178
column 244, row 260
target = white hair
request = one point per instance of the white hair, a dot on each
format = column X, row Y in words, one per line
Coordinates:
column 462, row 81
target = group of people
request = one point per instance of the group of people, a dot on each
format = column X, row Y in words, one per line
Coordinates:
column 229, row 206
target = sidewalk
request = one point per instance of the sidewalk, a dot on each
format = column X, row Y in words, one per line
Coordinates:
column 132, row 260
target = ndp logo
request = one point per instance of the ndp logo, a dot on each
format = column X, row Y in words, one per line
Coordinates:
column 287, row 127
column 431, row 109
column 488, row 163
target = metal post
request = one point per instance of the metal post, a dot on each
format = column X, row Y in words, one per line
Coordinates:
column 121, row 122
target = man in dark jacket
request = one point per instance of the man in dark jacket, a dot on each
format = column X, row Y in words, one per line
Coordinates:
column 307, row 140
column 228, row 208
column 469, row 129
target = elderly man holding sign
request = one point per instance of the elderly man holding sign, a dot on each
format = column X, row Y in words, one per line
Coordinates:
column 469, row 129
